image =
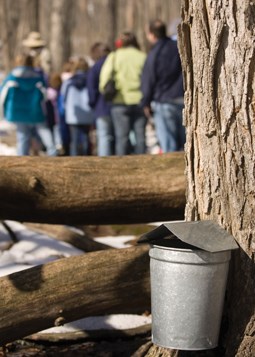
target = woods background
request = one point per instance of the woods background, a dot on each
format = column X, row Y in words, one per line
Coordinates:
column 70, row 27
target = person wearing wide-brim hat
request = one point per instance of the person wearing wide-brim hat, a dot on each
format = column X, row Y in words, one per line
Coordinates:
column 34, row 40
column 36, row 46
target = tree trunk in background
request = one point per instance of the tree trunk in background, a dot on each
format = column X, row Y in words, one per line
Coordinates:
column 18, row 18
column 113, row 32
column 32, row 13
column 135, row 15
column 61, row 25
column 217, row 50
column 6, row 44
column 72, row 27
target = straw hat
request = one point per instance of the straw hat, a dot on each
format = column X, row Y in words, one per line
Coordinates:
column 34, row 39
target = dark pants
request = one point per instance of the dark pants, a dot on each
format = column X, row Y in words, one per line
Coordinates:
column 127, row 119
column 79, row 140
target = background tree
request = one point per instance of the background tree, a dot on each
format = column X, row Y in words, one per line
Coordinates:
column 217, row 50
column 17, row 19
column 61, row 17
column 70, row 27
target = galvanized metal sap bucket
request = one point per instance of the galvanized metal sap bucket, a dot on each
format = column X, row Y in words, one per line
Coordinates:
column 188, row 283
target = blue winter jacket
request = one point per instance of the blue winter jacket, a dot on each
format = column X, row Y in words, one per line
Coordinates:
column 96, row 100
column 162, row 73
column 23, row 95
column 74, row 93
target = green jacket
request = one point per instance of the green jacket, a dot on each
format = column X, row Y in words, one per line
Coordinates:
column 128, row 64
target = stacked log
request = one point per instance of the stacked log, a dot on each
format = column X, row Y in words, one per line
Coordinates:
column 93, row 190
column 80, row 191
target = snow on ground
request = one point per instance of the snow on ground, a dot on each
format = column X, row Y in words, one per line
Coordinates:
column 31, row 249
column 35, row 248
column 110, row 322
column 119, row 242
column 6, row 150
column 6, row 126
column 5, row 129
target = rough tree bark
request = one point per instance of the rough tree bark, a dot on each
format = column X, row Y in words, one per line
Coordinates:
column 92, row 190
column 217, row 50
column 99, row 283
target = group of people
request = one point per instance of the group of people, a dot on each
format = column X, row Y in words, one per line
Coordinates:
column 58, row 110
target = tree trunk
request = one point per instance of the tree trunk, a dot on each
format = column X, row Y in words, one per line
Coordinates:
column 113, row 33
column 61, row 25
column 217, row 50
column 99, row 283
column 17, row 18
column 92, row 190
column 32, row 13
column 6, row 45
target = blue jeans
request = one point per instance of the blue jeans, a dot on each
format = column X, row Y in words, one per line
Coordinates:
column 128, row 118
column 25, row 132
column 168, row 125
column 79, row 140
column 105, row 136
column 57, row 136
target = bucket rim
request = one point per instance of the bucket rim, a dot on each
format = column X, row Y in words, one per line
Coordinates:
column 188, row 250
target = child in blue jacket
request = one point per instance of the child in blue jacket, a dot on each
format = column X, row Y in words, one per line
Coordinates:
column 22, row 99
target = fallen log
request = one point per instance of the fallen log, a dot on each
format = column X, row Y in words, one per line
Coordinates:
column 93, row 190
column 98, row 283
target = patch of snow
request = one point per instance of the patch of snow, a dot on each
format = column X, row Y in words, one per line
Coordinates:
column 7, row 126
column 6, row 150
column 5, row 238
column 115, row 242
column 109, row 322
column 32, row 249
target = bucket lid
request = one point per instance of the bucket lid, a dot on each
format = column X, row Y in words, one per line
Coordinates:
column 206, row 235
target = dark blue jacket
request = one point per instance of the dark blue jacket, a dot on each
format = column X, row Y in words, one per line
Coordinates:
column 162, row 73
column 96, row 100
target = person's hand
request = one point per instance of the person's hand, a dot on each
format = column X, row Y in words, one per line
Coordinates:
column 147, row 112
